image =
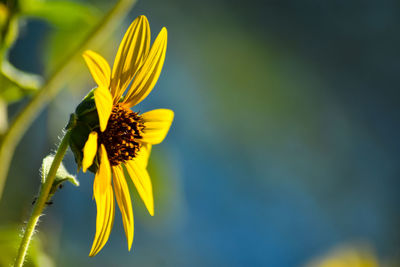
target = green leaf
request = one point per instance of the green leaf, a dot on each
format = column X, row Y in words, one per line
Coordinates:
column 3, row 15
column 72, row 22
column 59, row 13
column 16, row 84
column 62, row 175
column 68, row 35
column 23, row 79
column 11, row 93
column 10, row 34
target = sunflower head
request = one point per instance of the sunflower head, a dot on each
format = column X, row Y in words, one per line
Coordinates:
column 121, row 137
column 106, row 109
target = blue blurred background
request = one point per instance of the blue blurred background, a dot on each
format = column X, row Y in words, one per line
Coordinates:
column 284, row 145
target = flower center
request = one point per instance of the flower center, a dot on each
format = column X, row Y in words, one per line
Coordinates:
column 123, row 130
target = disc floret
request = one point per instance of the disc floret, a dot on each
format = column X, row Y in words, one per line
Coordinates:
column 124, row 130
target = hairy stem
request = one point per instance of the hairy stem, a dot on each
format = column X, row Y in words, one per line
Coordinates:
column 53, row 85
column 41, row 201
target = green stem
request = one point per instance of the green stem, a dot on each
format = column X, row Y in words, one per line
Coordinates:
column 41, row 201
column 3, row 116
column 53, row 85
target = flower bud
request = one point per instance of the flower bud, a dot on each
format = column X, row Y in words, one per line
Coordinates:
column 82, row 123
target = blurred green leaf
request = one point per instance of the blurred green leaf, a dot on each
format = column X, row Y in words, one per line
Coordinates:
column 16, row 84
column 11, row 93
column 9, row 33
column 23, row 79
column 57, row 51
column 3, row 15
column 62, row 175
column 63, row 14
column 9, row 241
column 73, row 23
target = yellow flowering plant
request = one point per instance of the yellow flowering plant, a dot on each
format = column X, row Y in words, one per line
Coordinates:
column 111, row 140
column 108, row 138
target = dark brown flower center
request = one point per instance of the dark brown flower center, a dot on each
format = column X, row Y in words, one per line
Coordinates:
column 120, row 138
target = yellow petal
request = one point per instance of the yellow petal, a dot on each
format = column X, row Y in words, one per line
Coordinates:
column 148, row 74
column 142, row 182
column 133, row 49
column 156, row 125
column 89, row 151
column 143, row 155
column 98, row 67
column 105, row 218
column 104, row 104
column 103, row 176
column 124, row 202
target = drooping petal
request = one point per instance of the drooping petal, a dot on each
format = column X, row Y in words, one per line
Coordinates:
column 156, row 125
column 98, row 67
column 104, row 219
column 142, row 182
column 133, row 49
column 143, row 155
column 103, row 176
column 89, row 151
column 148, row 74
column 124, row 202
column 103, row 99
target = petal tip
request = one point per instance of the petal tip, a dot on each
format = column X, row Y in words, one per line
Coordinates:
column 164, row 34
column 171, row 113
column 86, row 52
column 130, row 245
column 93, row 252
column 103, row 127
column 143, row 17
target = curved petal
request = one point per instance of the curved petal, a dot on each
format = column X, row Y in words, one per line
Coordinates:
column 148, row 74
column 141, row 179
column 104, row 104
column 89, row 151
column 103, row 176
column 143, row 155
column 98, row 67
column 156, row 125
column 105, row 218
column 133, row 49
column 124, row 202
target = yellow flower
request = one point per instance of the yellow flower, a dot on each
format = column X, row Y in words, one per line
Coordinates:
column 120, row 142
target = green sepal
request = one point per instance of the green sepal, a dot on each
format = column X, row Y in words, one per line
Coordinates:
column 78, row 138
column 62, row 175
column 88, row 104
column 82, row 123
